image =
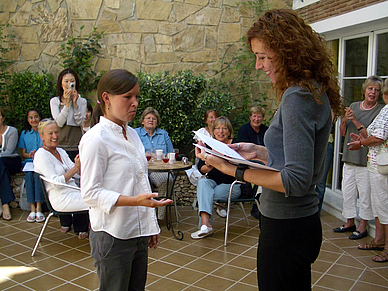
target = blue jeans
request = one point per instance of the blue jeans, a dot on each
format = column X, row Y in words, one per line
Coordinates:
column 33, row 188
column 321, row 187
column 208, row 191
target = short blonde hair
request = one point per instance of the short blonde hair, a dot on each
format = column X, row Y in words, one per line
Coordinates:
column 43, row 123
column 257, row 110
column 224, row 120
column 153, row 111
column 371, row 80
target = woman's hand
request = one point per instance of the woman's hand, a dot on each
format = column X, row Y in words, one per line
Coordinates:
column 349, row 115
column 74, row 97
column 153, row 241
column 355, row 145
column 77, row 162
column 146, row 199
column 67, row 96
column 250, row 151
column 32, row 154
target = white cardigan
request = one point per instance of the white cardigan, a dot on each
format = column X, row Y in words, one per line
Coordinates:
column 61, row 198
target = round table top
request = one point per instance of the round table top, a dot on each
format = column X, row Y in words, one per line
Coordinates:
column 160, row 166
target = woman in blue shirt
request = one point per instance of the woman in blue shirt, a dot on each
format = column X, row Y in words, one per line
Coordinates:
column 154, row 138
column 30, row 142
column 150, row 135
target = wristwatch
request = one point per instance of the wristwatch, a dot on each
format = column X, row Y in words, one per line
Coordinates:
column 239, row 175
column 361, row 127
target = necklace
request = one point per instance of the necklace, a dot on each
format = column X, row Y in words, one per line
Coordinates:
column 363, row 108
column 49, row 150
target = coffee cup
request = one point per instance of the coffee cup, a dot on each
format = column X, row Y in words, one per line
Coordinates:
column 159, row 154
column 171, row 158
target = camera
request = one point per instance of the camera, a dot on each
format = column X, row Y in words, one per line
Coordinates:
column 71, row 86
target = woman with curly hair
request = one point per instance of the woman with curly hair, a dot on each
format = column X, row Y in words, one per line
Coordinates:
column 300, row 68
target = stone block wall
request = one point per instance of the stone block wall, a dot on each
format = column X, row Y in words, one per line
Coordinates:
column 151, row 35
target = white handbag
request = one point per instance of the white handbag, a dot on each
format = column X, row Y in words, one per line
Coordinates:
column 382, row 163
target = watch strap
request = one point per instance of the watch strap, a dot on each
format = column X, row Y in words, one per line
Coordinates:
column 239, row 174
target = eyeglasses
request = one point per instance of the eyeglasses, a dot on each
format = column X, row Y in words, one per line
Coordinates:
column 46, row 119
column 221, row 128
column 373, row 89
column 150, row 118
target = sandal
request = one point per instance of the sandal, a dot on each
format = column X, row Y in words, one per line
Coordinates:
column 381, row 257
column 82, row 235
column 31, row 217
column 371, row 246
column 40, row 217
column 64, row 229
column 7, row 213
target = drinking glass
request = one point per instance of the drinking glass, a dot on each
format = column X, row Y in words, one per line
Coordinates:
column 149, row 156
column 176, row 151
column 165, row 158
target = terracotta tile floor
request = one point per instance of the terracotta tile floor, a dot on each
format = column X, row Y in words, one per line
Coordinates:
column 62, row 262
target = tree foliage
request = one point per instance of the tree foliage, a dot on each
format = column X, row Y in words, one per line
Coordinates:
column 181, row 101
column 28, row 90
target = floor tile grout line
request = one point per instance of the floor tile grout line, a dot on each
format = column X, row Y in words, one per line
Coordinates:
column 328, row 269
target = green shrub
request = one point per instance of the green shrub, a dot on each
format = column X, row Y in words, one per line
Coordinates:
column 78, row 54
column 28, row 90
column 181, row 101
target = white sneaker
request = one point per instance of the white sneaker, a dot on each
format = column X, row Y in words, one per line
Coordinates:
column 221, row 212
column 203, row 232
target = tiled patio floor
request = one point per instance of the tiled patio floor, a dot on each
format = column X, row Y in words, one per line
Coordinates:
column 63, row 262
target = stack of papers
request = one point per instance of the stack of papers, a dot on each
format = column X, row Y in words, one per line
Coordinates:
column 222, row 150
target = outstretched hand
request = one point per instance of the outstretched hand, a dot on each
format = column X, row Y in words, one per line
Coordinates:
column 147, row 199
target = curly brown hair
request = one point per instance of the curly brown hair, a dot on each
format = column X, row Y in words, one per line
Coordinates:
column 300, row 55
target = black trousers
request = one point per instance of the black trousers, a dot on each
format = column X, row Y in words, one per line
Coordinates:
column 80, row 222
column 287, row 248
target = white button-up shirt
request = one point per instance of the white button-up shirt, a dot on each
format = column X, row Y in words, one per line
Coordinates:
column 112, row 166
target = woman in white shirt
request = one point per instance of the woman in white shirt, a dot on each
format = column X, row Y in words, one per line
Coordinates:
column 54, row 163
column 68, row 109
column 115, row 186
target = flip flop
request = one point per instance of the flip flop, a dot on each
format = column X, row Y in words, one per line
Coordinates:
column 7, row 216
column 40, row 217
column 31, row 217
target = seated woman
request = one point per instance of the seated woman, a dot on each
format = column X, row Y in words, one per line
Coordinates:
column 154, row 138
column 216, row 185
column 210, row 117
column 10, row 163
column 55, row 164
column 29, row 143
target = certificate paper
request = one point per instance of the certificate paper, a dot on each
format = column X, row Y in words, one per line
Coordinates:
column 222, row 150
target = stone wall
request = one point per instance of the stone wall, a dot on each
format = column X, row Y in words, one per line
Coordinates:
column 153, row 36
